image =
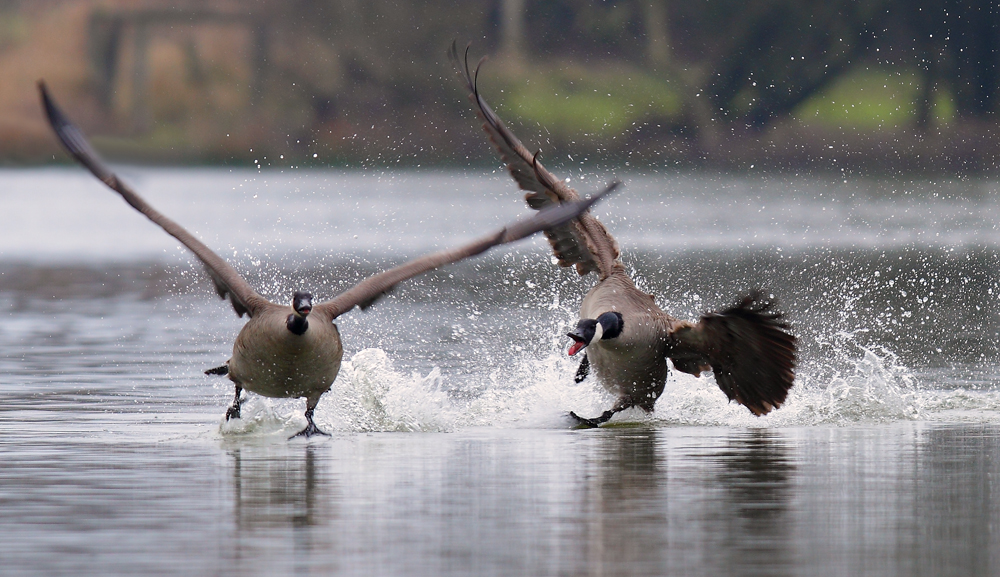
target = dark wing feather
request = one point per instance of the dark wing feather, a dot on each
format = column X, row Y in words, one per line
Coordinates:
column 749, row 349
column 227, row 281
column 365, row 293
column 583, row 243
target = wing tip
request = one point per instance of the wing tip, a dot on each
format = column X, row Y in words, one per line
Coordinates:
column 560, row 214
column 57, row 120
column 72, row 138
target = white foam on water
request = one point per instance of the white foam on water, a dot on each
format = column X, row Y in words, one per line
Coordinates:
column 371, row 395
column 536, row 393
column 854, row 383
column 368, row 395
column 259, row 417
column 962, row 405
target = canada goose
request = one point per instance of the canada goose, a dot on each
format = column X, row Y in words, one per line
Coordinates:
column 627, row 337
column 291, row 351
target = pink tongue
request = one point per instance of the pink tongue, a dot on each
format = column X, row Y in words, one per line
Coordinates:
column 577, row 345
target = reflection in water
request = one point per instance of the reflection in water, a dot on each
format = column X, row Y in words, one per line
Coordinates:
column 652, row 506
column 953, row 529
column 755, row 472
column 900, row 501
column 279, row 495
column 620, row 504
column 698, row 501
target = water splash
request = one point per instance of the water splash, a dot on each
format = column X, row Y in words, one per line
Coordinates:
column 857, row 383
column 371, row 395
column 963, row 405
column 261, row 417
column 846, row 381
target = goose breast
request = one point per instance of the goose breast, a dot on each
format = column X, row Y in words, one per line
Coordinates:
column 270, row 360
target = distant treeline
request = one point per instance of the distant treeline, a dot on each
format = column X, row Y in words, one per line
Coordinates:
column 657, row 80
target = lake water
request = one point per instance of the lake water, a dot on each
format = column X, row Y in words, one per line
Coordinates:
column 451, row 452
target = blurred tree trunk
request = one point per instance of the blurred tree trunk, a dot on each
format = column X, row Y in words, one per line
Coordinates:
column 512, row 30
column 141, row 118
column 924, row 103
column 259, row 53
column 698, row 109
column 787, row 52
column 655, row 14
column 104, row 41
column 976, row 75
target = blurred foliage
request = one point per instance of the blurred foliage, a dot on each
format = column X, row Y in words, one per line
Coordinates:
column 870, row 99
column 368, row 80
column 599, row 100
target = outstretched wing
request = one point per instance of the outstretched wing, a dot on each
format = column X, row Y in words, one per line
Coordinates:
column 365, row 293
column 583, row 243
column 749, row 349
column 227, row 281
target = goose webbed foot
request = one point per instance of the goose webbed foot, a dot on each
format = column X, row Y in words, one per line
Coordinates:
column 595, row 422
column 233, row 412
column 311, row 429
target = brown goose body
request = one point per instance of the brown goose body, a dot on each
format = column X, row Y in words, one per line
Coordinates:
column 293, row 351
column 628, row 337
column 271, row 361
column 633, row 365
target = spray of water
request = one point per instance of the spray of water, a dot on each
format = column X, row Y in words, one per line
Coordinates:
column 855, row 384
column 849, row 373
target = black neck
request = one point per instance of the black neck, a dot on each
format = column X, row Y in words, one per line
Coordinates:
column 612, row 323
column 297, row 324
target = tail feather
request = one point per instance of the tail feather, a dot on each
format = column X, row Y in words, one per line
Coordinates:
column 751, row 353
column 221, row 371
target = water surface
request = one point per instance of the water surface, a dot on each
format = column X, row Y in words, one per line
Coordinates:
column 451, row 451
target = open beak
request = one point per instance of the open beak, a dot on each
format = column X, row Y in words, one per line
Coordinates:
column 578, row 344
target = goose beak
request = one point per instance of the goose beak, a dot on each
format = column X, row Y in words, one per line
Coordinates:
column 302, row 303
column 578, row 344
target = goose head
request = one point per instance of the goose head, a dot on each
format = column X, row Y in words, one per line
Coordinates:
column 301, row 307
column 607, row 326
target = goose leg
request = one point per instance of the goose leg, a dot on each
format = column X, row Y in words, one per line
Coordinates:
column 583, row 370
column 234, row 411
column 311, row 428
column 595, row 422
column 585, row 423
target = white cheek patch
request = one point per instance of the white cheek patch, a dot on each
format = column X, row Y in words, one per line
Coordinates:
column 598, row 332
